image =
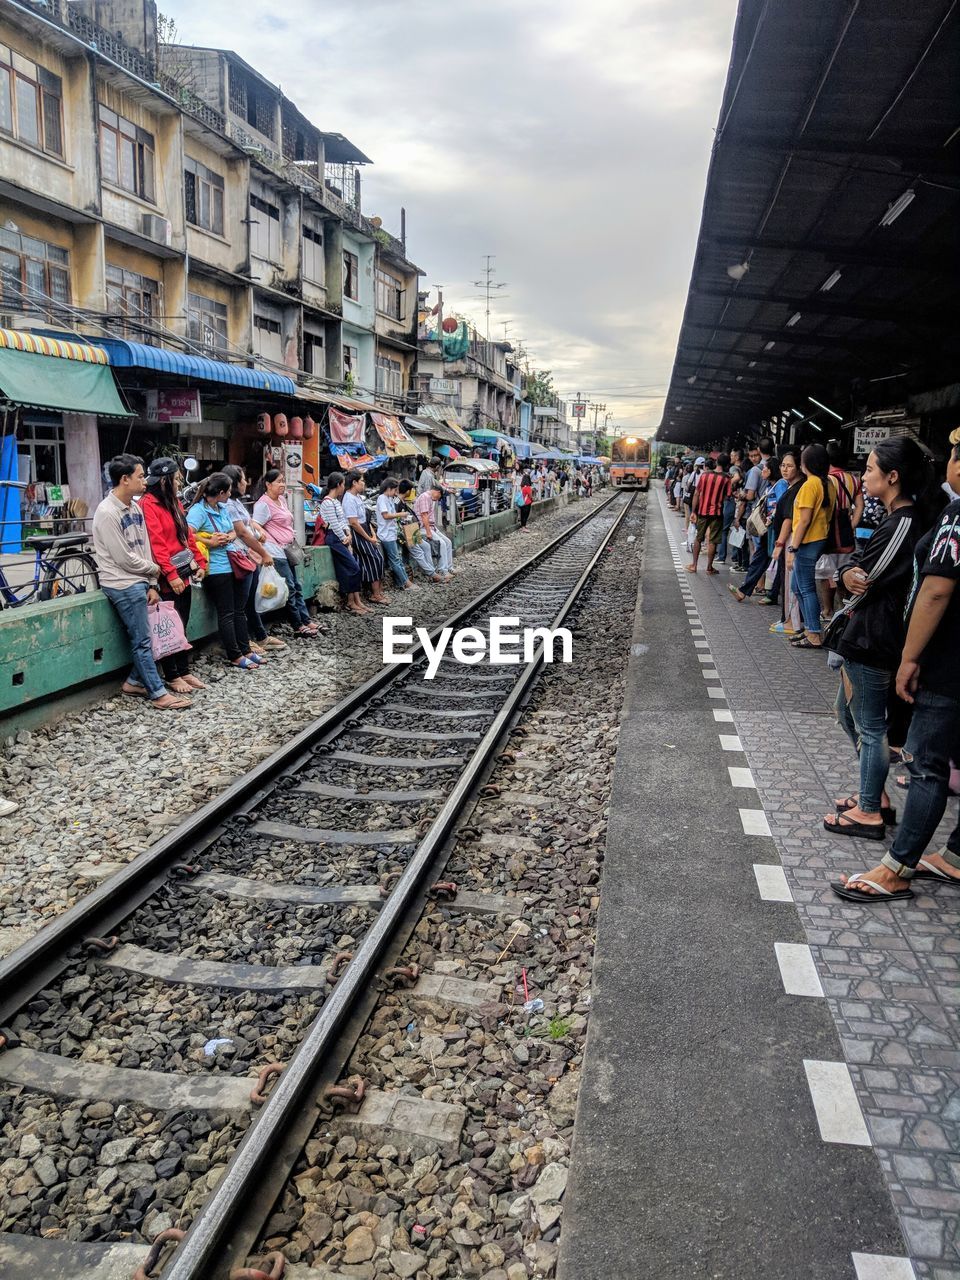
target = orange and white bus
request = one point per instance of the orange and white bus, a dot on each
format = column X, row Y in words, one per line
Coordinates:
column 630, row 463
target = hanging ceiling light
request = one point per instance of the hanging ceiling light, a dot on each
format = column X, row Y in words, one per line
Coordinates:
column 691, row 380
column 894, row 210
column 830, row 281
column 831, row 412
column 738, row 270
column 752, row 364
column 769, row 346
column 793, row 319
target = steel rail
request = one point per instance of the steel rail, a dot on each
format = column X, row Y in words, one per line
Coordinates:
column 202, row 1254
column 33, row 964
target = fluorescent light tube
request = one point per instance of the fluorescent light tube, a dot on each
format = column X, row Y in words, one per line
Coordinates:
column 793, row 319
column 830, row 281
column 894, row 210
column 838, row 416
column 769, row 346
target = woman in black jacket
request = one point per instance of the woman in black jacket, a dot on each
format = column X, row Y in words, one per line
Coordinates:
column 877, row 579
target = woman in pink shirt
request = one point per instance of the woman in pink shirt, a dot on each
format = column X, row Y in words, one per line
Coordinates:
column 276, row 519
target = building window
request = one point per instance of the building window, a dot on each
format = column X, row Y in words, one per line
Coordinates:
column 32, row 273
column 313, row 253
column 133, row 298
column 207, row 323
column 351, row 276
column 127, row 155
column 351, row 359
column 313, row 357
column 389, row 376
column 204, row 196
column 265, row 229
column 389, row 295
column 253, row 101
column 268, row 336
column 31, row 102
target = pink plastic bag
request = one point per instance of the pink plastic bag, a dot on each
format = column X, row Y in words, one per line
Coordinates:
column 167, row 635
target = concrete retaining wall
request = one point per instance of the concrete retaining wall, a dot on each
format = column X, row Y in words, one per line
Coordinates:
column 51, row 648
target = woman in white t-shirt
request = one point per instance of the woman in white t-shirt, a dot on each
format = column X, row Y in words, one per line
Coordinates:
column 366, row 548
column 388, row 521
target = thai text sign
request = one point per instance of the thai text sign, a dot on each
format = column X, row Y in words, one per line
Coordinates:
column 173, row 406
column 864, row 438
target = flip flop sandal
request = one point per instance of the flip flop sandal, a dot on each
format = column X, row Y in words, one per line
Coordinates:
column 853, row 894
column 862, row 830
column 887, row 811
column 930, row 872
column 801, row 642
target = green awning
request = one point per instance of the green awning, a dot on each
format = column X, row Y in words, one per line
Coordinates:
column 47, row 382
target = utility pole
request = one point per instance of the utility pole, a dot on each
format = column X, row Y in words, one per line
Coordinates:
column 597, row 410
column 488, row 286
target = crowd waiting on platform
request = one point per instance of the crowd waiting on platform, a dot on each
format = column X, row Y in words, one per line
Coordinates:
column 864, row 566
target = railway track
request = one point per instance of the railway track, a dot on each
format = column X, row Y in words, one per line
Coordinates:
column 314, row 868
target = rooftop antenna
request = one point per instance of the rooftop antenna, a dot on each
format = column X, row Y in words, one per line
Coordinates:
column 489, row 286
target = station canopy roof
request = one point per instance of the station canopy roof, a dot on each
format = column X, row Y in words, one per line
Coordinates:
column 835, row 180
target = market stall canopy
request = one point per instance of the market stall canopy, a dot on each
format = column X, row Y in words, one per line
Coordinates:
column 830, row 237
column 438, row 429
column 138, row 355
column 346, row 428
column 522, row 448
column 393, row 434
column 494, row 438
column 51, row 373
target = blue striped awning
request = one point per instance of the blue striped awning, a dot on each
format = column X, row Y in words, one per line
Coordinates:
column 138, row 355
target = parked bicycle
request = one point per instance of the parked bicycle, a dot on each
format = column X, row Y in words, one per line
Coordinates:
column 61, row 567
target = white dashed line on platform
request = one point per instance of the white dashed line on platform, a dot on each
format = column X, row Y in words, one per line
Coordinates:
column 754, row 822
column 705, row 657
column 722, row 715
column 731, row 742
column 882, row 1266
column 740, row 777
column 839, row 1117
column 697, row 632
column 798, row 969
column 701, row 644
column 710, row 673
column 715, row 692
column 771, row 882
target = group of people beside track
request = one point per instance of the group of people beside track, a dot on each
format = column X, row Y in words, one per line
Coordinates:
column 864, row 566
column 149, row 549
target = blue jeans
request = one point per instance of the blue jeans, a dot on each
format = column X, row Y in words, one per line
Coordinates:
column 296, row 605
column 933, row 740
column 864, row 718
column 758, row 567
column 729, row 510
column 131, row 605
column 804, row 583
column 391, row 551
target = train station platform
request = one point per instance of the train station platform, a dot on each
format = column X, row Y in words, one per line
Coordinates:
column 771, row 1085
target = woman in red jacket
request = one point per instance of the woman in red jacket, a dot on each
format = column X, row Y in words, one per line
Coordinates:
column 169, row 533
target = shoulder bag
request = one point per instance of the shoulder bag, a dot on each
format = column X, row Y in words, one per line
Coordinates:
column 241, row 562
column 757, row 523
column 840, row 536
column 295, row 553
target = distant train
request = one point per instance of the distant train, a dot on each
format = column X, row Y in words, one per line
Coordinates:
column 630, row 463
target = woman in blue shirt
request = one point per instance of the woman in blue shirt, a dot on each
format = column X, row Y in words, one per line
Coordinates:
column 775, row 486
column 213, row 524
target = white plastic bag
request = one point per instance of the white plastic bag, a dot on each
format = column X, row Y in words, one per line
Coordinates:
column 736, row 537
column 691, row 535
column 272, row 590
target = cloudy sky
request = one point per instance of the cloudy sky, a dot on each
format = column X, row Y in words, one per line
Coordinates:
column 569, row 138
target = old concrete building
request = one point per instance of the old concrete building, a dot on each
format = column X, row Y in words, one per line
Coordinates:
column 171, row 206
column 481, row 387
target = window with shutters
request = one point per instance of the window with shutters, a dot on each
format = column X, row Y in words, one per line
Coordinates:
column 134, row 300
column 31, row 102
column 390, row 293
column 351, row 359
column 33, row 274
column 265, row 239
column 389, row 376
column 127, row 155
column 207, row 324
column 313, row 357
column 204, row 196
column 313, row 253
column 351, row 276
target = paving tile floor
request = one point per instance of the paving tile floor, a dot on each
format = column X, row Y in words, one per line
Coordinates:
column 891, row 974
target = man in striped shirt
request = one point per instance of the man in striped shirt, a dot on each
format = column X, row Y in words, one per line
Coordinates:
column 713, row 486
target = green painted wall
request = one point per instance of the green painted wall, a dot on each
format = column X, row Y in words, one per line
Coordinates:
column 47, row 649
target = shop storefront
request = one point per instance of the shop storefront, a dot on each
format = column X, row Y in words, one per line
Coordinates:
column 55, row 396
